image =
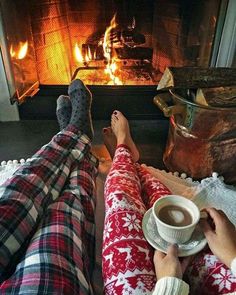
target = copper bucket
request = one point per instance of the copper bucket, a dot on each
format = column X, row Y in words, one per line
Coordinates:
column 201, row 139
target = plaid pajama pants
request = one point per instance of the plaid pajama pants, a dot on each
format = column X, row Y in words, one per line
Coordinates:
column 127, row 257
column 47, row 220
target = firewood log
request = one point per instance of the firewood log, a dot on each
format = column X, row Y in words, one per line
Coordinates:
column 218, row 97
column 196, row 77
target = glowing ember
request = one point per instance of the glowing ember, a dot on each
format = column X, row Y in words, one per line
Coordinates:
column 21, row 52
column 111, row 66
column 78, row 53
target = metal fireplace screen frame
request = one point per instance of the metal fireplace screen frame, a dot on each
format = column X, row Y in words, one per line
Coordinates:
column 176, row 32
column 20, row 65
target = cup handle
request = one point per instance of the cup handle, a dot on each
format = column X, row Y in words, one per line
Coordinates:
column 203, row 214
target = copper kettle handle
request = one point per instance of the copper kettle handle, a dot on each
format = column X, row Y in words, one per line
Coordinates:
column 168, row 111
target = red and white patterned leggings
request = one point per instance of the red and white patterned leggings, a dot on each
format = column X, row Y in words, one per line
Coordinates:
column 127, row 257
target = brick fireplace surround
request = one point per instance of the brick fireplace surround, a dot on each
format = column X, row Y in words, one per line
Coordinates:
column 166, row 25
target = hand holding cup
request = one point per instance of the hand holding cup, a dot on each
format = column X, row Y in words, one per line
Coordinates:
column 221, row 235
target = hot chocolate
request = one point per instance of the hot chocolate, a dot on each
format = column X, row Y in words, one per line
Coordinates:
column 175, row 215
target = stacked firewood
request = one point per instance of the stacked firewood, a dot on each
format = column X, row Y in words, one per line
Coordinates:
column 211, row 86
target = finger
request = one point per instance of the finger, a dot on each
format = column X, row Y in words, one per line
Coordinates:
column 173, row 250
column 185, row 262
column 207, row 229
column 158, row 255
column 225, row 217
column 218, row 216
column 215, row 214
column 205, row 225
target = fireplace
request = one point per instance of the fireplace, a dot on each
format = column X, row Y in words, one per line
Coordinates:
column 108, row 44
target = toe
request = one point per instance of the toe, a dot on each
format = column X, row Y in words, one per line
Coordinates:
column 114, row 117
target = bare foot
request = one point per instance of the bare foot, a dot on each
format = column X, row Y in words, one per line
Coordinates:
column 110, row 141
column 120, row 128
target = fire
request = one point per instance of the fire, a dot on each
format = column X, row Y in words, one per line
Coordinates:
column 107, row 40
column 21, row 52
column 12, row 52
column 78, row 53
column 88, row 55
column 111, row 66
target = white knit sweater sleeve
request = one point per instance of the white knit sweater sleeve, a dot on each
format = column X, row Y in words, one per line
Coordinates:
column 233, row 266
column 174, row 286
column 171, row 286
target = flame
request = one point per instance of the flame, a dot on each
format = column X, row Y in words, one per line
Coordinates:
column 111, row 66
column 107, row 40
column 21, row 52
column 79, row 56
column 86, row 58
column 111, row 71
column 12, row 52
column 89, row 53
column 78, row 53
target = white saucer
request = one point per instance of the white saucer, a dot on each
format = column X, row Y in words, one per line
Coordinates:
column 193, row 246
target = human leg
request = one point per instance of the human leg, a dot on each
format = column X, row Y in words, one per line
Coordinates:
column 34, row 186
column 63, row 111
column 151, row 188
column 127, row 257
column 81, row 99
column 209, row 276
column 60, row 255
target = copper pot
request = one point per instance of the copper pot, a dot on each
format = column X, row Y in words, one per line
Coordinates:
column 201, row 139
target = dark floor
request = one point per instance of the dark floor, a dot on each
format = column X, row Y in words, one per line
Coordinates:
column 22, row 139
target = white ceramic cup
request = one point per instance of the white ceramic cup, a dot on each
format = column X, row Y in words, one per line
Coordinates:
column 173, row 233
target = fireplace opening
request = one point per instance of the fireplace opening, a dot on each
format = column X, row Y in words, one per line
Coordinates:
column 105, row 42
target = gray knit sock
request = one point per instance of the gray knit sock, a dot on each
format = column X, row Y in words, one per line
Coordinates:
column 81, row 99
column 64, row 110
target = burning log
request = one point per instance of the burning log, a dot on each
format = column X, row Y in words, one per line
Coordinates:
column 218, row 97
column 140, row 53
column 196, row 77
column 132, row 39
